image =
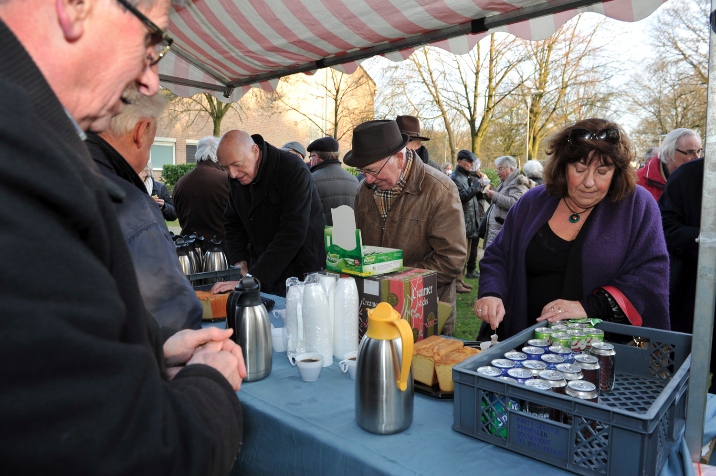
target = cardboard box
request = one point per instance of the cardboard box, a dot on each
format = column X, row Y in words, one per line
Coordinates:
column 345, row 252
column 412, row 292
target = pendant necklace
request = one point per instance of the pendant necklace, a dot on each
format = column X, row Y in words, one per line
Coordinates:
column 574, row 217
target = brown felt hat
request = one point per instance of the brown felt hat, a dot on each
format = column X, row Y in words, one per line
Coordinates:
column 374, row 141
column 410, row 125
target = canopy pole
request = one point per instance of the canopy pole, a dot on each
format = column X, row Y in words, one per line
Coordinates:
column 706, row 278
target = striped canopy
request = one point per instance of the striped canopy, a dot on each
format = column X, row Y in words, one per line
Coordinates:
column 228, row 46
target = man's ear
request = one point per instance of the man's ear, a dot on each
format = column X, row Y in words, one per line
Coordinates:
column 71, row 15
column 139, row 133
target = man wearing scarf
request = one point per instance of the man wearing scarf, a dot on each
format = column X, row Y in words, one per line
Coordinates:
column 405, row 204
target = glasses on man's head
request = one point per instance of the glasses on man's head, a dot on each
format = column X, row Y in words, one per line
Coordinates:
column 610, row 136
column 502, row 169
column 375, row 174
column 691, row 152
column 159, row 38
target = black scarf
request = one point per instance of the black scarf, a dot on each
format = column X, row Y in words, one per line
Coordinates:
column 113, row 160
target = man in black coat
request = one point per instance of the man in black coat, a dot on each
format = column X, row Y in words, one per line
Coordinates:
column 274, row 220
column 470, row 195
column 680, row 207
column 335, row 185
column 201, row 195
column 88, row 386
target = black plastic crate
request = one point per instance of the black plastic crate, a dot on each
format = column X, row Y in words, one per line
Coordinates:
column 204, row 281
column 632, row 429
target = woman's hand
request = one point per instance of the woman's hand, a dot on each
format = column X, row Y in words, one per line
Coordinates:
column 491, row 310
column 562, row 309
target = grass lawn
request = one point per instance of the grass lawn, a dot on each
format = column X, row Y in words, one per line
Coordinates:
column 467, row 324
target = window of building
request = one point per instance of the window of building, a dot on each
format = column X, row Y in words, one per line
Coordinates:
column 191, row 151
column 162, row 152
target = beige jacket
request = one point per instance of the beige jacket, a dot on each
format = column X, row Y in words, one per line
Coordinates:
column 426, row 222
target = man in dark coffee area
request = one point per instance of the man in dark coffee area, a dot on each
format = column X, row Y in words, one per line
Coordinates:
column 335, row 185
column 89, row 386
column 274, row 220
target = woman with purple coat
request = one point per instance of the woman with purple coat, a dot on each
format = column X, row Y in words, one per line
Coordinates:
column 587, row 243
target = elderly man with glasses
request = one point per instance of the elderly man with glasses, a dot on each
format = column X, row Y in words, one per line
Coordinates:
column 408, row 205
column 513, row 185
column 90, row 385
column 678, row 147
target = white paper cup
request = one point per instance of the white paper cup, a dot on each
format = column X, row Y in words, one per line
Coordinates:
column 309, row 365
column 348, row 364
column 277, row 339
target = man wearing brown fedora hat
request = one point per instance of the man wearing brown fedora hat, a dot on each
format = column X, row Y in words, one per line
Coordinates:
column 410, row 125
column 402, row 203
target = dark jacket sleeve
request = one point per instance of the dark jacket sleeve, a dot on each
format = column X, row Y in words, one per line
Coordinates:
column 298, row 188
column 168, row 211
column 237, row 238
column 673, row 204
column 82, row 384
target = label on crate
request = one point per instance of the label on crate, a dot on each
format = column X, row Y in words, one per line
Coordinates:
column 535, row 435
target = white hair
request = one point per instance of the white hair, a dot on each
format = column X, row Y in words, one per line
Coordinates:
column 206, row 149
column 140, row 107
column 668, row 146
column 533, row 168
column 507, row 160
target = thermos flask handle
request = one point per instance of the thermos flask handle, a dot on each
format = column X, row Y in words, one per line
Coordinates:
column 406, row 335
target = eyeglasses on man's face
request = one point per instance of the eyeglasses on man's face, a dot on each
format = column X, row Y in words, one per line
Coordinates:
column 159, row 38
column 691, row 152
column 610, row 136
column 375, row 174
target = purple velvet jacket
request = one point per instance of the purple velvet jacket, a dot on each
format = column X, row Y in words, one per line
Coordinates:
column 624, row 248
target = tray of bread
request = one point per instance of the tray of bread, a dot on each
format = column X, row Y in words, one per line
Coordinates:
column 433, row 360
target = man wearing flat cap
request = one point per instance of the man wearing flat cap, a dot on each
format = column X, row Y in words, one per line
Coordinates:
column 335, row 186
column 410, row 125
column 470, row 196
column 407, row 205
column 295, row 148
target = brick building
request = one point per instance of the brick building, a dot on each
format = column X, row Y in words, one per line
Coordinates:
column 303, row 108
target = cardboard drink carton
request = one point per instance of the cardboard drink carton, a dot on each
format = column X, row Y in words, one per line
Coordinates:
column 412, row 292
column 345, row 252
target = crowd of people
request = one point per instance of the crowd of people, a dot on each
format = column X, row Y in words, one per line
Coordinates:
column 107, row 368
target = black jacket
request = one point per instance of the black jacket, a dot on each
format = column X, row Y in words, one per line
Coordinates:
column 160, row 190
column 335, row 186
column 83, row 385
column 424, row 155
column 200, row 198
column 276, row 223
column 469, row 196
column 680, row 207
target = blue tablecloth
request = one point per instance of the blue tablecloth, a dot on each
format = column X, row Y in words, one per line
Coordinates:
column 296, row 427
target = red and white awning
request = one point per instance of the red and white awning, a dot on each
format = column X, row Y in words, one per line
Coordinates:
column 229, row 46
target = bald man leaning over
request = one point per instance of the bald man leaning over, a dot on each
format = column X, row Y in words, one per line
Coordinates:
column 274, row 219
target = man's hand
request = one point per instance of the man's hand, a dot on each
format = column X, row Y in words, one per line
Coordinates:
column 210, row 346
column 159, row 201
column 180, row 347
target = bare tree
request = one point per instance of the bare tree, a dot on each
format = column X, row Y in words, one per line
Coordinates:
column 565, row 81
column 200, row 107
column 671, row 89
column 336, row 104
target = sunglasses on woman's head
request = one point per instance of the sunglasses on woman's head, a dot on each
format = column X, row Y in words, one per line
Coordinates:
column 611, row 136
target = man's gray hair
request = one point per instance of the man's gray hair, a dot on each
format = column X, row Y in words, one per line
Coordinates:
column 533, row 168
column 652, row 152
column 477, row 164
column 206, row 149
column 141, row 107
column 668, row 145
column 507, row 160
